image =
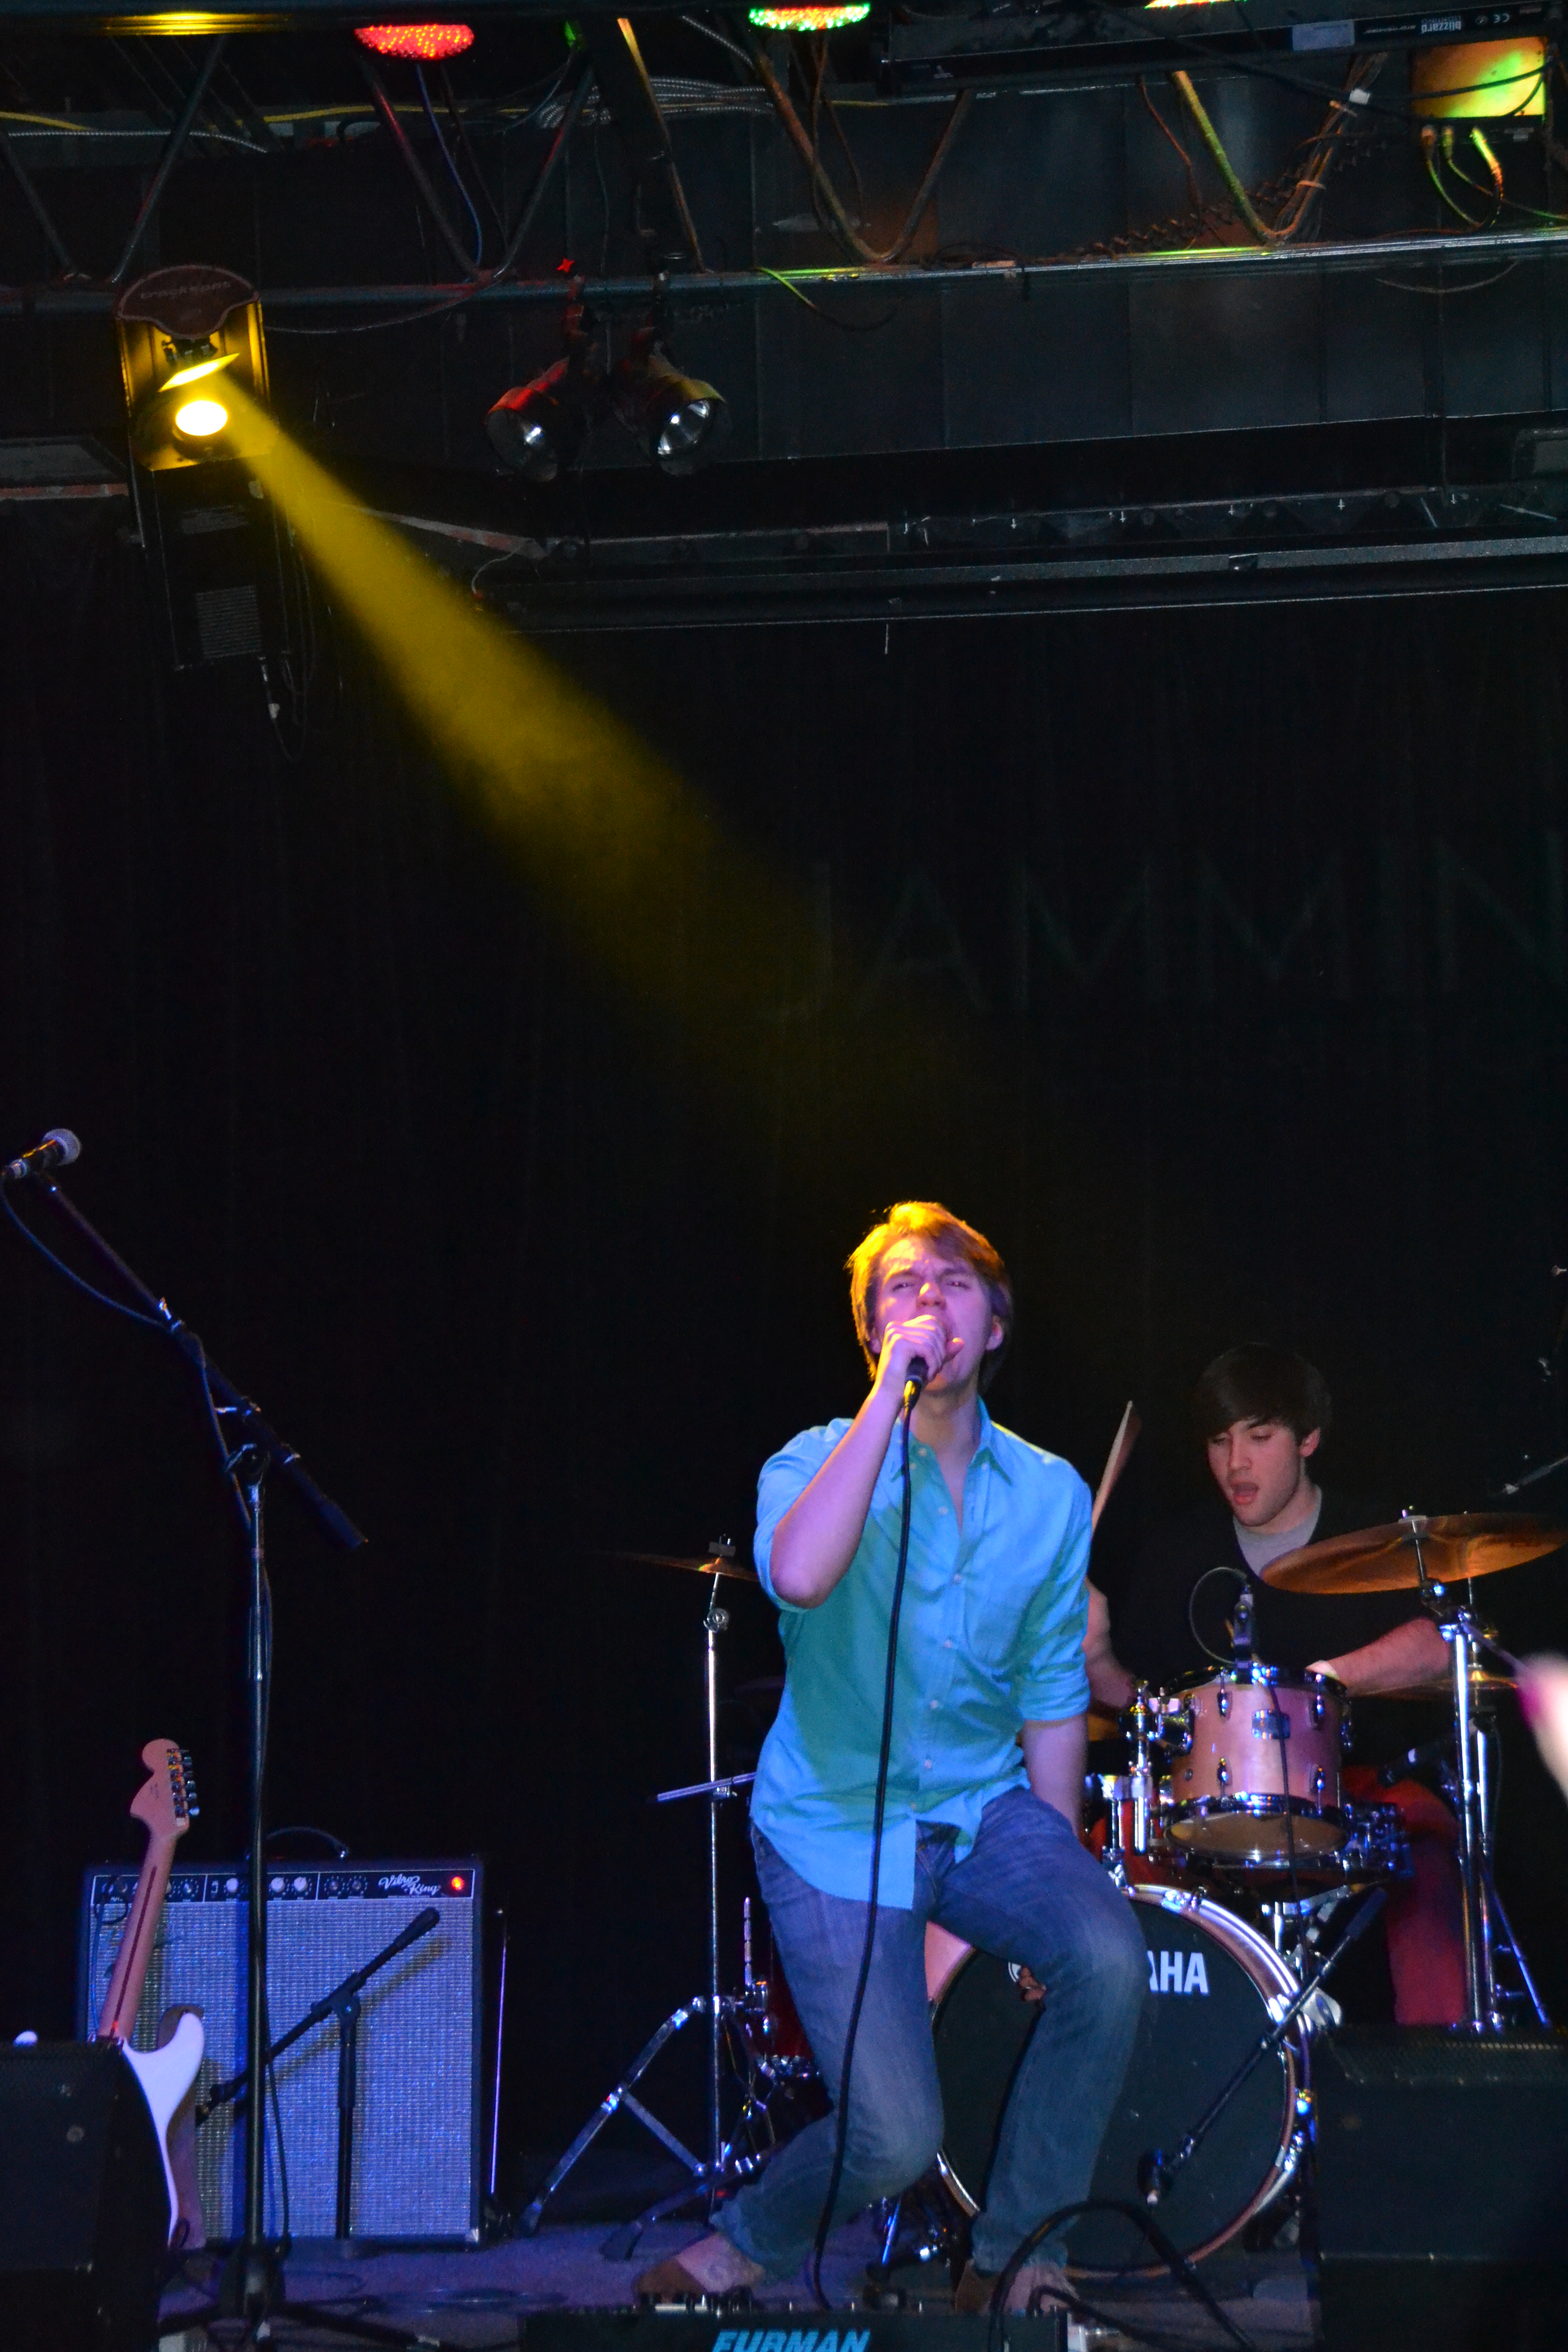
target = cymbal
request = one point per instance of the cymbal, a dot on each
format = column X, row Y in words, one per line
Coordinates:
column 1484, row 1681
column 712, row 1566
column 1382, row 1559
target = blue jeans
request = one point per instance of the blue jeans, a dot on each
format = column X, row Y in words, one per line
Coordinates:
column 1026, row 1890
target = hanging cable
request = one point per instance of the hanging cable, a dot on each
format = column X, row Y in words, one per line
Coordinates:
column 1429, row 155
column 842, row 227
column 878, row 1809
column 464, row 145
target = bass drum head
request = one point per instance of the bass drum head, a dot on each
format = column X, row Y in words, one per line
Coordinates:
column 1211, row 1978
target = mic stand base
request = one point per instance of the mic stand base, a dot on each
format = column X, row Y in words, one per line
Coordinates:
column 250, row 2283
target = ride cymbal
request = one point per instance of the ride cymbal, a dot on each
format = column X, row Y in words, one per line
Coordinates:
column 1382, row 1559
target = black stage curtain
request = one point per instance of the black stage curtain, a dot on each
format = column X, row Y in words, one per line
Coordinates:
column 1216, row 963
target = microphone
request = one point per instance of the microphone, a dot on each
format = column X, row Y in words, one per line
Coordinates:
column 57, row 1149
column 1241, row 1627
column 915, row 1378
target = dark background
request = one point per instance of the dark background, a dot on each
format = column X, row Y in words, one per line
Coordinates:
column 1215, row 963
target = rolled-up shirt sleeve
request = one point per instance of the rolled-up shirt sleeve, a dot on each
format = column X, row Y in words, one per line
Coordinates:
column 1050, row 1681
column 784, row 1477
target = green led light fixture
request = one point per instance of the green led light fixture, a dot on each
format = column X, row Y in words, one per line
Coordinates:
column 827, row 19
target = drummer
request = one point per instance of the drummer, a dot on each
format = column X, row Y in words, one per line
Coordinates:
column 1262, row 1414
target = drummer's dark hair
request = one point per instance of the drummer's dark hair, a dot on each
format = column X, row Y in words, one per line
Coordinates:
column 1257, row 1382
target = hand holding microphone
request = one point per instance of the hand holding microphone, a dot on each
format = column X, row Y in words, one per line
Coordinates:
column 914, row 1352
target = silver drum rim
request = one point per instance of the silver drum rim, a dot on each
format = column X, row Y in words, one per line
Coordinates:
column 1273, row 1980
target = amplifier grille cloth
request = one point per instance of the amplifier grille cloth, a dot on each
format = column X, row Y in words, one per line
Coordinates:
column 415, row 2169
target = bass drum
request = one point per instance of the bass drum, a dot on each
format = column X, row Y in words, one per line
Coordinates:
column 1212, row 1981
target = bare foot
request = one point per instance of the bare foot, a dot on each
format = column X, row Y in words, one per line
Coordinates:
column 721, row 2266
column 718, row 2267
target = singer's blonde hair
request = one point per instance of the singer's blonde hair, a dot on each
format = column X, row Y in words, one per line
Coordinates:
column 926, row 1220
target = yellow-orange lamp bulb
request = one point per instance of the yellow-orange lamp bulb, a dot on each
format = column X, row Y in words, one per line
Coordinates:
column 198, row 420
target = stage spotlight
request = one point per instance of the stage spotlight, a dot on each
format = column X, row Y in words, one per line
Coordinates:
column 425, row 44
column 677, row 418
column 539, row 426
column 198, row 420
column 182, row 328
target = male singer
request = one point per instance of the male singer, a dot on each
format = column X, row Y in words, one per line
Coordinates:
column 981, row 1830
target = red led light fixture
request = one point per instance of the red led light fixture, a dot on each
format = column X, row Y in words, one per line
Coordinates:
column 423, row 43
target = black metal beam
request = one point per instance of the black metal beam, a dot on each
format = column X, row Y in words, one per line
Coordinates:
column 174, row 147
column 575, row 100
column 1429, row 257
column 662, row 216
column 883, row 594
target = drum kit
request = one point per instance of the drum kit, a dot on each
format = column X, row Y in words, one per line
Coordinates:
column 1231, row 1834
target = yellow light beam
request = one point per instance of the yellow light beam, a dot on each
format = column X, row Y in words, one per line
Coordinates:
column 624, row 850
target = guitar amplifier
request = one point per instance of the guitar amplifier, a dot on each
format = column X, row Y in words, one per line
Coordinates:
column 417, row 2154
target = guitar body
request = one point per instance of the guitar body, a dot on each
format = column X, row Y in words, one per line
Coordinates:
column 166, row 2075
column 167, row 1804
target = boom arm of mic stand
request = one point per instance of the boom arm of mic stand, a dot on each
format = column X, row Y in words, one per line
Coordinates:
column 258, row 1433
column 221, row 2093
column 1157, row 2171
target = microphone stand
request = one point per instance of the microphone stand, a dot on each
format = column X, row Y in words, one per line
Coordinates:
column 343, row 2003
column 1157, row 2171
column 252, row 2275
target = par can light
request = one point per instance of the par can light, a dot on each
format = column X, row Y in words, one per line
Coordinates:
column 679, row 419
column 539, row 426
column 425, row 44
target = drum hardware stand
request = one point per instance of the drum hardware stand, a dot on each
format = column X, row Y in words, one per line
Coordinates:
column 1488, row 1936
column 1137, row 1788
column 1308, row 1917
column 722, row 2167
column 1157, row 2171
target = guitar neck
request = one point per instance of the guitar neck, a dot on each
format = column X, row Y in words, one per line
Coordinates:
column 124, row 1995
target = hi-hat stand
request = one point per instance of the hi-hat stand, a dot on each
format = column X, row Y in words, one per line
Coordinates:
column 1488, row 1938
column 724, row 2163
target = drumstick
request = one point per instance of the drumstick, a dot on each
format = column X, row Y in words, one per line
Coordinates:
column 1116, row 1461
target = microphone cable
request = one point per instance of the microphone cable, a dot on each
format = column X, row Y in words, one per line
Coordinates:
column 877, row 1811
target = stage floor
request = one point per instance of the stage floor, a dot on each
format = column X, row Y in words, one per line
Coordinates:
column 477, row 2298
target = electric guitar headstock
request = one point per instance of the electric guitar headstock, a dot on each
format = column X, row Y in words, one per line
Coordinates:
column 165, row 1804
column 166, row 1801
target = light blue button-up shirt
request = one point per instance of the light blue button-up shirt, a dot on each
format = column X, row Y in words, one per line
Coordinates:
column 991, row 1636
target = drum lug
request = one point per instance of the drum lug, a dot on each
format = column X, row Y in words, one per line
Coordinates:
column 1319, row 1784
column 1222, row 1773
column 1222, row 1700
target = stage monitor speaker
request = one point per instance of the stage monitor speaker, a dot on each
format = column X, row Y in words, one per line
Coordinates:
column 1442, row 2189
column 416, row 2135
column 84, row 2214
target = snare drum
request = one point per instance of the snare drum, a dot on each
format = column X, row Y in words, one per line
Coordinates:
column 1256, row 1773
